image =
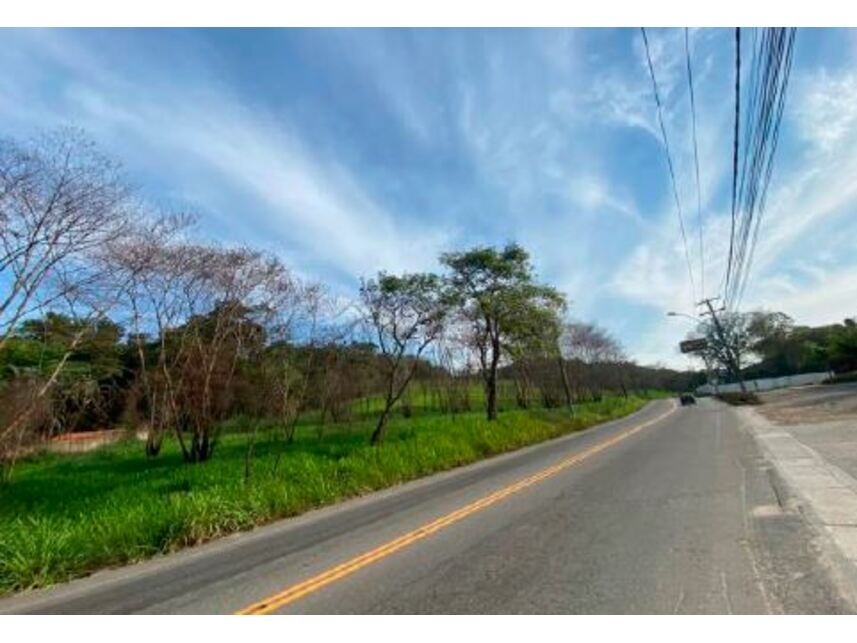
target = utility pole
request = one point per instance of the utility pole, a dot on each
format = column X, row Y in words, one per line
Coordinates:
column 731, row 358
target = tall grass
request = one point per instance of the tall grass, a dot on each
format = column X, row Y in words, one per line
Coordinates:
column 66, row 515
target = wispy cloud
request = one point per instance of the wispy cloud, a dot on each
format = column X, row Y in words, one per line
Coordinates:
column 352, row 151
column 243, row 165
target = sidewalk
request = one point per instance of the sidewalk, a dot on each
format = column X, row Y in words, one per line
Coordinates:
column 818, row 463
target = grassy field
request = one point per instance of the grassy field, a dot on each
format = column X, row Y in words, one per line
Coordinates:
column 63, row 516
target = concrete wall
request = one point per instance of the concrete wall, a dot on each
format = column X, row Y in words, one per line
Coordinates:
column 766, row 383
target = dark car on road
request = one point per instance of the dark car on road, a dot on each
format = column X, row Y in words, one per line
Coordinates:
column 686, row 399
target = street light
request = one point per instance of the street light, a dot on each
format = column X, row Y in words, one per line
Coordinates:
column 672, row 313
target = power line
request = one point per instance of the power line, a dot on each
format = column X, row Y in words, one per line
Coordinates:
column 763, row 130
column 696, row 165
column 770, row 70
column 735, row 141
column 669, row 162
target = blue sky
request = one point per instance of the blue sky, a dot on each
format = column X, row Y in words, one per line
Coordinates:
column 351, row 151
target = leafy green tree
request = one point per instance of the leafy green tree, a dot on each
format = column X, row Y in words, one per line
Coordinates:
column 500, row 299
column 95, row 346
column 842, row 347
column 406, row 314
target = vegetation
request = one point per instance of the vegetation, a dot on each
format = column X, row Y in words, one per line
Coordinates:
column 258, row 393
column 504, row 309
column 769, row 344
column 112, row 314
column 406, row 315
column 842, row 378
column 740, row 398
column 63, row 516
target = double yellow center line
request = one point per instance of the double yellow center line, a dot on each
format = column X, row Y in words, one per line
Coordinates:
column 315, row 583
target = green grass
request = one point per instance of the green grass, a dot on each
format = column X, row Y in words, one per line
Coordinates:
column 63, row 516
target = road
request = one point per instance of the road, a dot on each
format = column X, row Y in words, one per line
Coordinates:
column 672, row 510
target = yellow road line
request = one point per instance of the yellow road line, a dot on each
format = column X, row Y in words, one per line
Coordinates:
column 310, row 585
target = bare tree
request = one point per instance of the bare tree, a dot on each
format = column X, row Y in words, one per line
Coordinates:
column 156, row 278
column 207, row 309
column 60, row 201
column 593, row 350
column 457, row 365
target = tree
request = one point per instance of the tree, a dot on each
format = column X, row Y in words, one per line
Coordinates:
column 534, row 350
column 499, row 297
column 406, row 314
column 208, row 309
column 60, row 201
column 734, row 338
column 843, row 347
column 592, row 349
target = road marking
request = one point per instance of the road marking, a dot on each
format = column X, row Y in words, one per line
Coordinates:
column 315, row 583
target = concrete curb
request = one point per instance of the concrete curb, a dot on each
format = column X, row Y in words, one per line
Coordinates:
column 826, row 494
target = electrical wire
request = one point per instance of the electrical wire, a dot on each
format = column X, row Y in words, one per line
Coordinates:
column 735, row 142
column 777, row 50
column 696, row 165
column 669, row 163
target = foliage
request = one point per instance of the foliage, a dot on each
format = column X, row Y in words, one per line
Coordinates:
column 842, row 350
column 64, row 516
column 503, row 305
column 742, row 398
column 406, row 314
column 770, row 344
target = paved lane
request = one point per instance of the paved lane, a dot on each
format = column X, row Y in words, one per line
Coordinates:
column 643, row 515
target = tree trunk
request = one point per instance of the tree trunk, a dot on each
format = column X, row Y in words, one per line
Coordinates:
column 491, row 402
column 381, row 428
column 491, row 381
column 153, row 444
column 566, row 385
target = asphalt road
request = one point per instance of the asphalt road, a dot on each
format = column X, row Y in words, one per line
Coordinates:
column 672, row 510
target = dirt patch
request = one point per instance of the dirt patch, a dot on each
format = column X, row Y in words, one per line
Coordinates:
column 86, row 441
column 810, row 404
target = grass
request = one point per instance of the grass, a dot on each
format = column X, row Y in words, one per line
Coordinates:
column 63, row 516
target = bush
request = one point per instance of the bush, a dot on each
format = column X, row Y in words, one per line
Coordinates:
column 740, row 399
column 841, row 378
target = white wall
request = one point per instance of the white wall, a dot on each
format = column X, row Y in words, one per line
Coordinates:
column 766, row 383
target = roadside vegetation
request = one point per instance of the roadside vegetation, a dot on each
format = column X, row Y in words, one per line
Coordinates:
column 64, row 516
column 255, row 393
column 740, row 398
column 761, row 344
column 842, row 378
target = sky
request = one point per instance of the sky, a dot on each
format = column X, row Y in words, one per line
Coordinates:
column 347, row 152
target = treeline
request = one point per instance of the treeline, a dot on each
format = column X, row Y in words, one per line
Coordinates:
column 112, row 314
column 769, row 344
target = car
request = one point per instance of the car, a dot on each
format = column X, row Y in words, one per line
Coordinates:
column 687, row 399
